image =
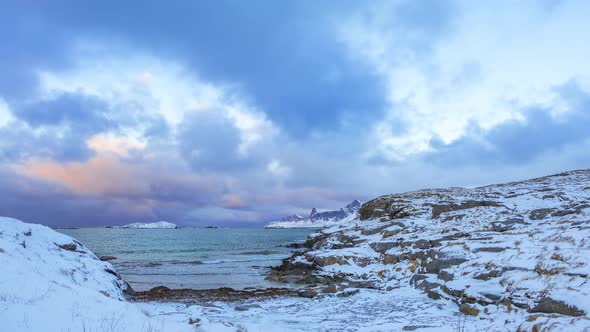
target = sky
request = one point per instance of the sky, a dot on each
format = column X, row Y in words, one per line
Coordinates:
column 237, row 113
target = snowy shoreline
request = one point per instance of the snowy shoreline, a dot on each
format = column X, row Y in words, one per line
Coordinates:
column 510, row 256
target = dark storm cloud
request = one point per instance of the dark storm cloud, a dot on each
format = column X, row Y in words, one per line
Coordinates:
column 210, row 142
column 289, row 61
column 280, row 54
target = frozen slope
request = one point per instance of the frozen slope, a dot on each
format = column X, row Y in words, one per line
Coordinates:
column 50, row 282
column 516, row 255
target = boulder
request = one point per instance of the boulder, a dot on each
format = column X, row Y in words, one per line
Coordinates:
column 438, row 209
column 466, row 309
column 550, row 306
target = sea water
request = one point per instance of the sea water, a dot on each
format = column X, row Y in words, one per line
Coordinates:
column 198, row 258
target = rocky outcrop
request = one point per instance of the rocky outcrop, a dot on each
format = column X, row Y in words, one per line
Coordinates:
column 518, row 245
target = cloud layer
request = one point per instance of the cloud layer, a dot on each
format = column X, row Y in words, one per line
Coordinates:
column 239, row 113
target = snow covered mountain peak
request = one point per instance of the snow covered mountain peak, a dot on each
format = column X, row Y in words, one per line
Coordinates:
column 320, row 219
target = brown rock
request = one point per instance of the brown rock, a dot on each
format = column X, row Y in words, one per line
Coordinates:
column 466, row 309
column 550, row 306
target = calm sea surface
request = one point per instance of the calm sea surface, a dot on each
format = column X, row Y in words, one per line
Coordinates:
column 196, row 258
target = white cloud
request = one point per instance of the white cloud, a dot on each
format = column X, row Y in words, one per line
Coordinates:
column 277, row 169
column 157, row 87
column 114, row 144
column 5, row 114
column 495, row 60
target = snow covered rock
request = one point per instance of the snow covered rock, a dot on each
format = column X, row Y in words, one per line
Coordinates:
column 517, row 253
column 319, row 219
column 151, row 225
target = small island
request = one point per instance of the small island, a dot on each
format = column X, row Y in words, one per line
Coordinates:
column 150, row 225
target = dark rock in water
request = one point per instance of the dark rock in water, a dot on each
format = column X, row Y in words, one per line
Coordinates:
column 294, row 245
column 550, row 306
column 293, row 272
column 246, row 307
column 107, row 258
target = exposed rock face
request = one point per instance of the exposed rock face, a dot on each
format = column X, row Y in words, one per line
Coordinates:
column 551, row 306
column 516, row 245
column 313, row 213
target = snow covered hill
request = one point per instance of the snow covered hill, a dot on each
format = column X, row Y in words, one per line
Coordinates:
column 319, row 219
column 514, row 256
column 50, row 282
column 151, row 225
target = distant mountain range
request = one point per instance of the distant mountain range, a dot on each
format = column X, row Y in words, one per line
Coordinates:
column 319, row 219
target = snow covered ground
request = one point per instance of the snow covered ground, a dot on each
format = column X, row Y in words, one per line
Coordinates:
column 516, row 255
column 150, row 225
column 51, row 282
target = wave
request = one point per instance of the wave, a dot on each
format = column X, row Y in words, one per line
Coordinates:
column 187, row 262
column 185, row 274
column 161, row 251
column 261, row 252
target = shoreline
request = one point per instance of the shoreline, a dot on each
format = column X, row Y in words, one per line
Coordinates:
column 222, row 294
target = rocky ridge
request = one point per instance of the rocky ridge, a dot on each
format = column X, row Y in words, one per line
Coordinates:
column 519, row 251
column 319, row 219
